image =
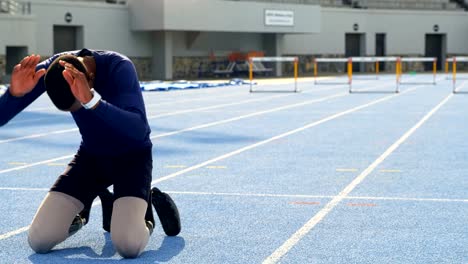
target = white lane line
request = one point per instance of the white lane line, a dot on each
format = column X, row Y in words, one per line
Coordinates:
column 200, row 109
column 253, row 114
column 297, row 130
column 38, row 135
column 14, row 233
column 36, row 164
column 249, row 115
column 405, row 199
column 247, row 147
column 187, row 129
column 197, row 99
column 214, row 107
column 24, row 189
column 150, row 117
column 304, row 230
column 272, row 195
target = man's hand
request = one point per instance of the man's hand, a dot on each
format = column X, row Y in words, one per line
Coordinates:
column 78, row 82
column 24, row 77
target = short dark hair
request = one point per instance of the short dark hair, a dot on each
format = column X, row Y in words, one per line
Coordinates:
column 56, row 86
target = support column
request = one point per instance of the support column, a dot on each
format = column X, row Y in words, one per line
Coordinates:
column 273, row 44
column 162, row 61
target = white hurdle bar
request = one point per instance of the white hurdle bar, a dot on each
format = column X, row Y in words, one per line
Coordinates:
column 350, row 61
column 274, row 59
column 419, row 59
column 344, row 60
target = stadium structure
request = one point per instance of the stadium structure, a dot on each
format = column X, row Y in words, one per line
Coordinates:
column 182, row 39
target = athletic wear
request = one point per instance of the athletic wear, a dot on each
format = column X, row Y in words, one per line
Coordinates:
column 115, row 150
column 87, row 175
column 167, row 211
column 118, row 124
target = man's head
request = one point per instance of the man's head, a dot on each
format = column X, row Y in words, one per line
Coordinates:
column 57, row 87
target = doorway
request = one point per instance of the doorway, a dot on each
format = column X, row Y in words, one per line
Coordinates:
column 380, row 48
column 435, row 47
column 67, row 38
column 355, row 47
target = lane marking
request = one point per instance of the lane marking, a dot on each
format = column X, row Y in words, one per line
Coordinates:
column 14, row 233
column 38, row 135
column 23, row 189
column 215, row 123
column 389, row 171
column 17, row 163
column 152, row 117
column 36, row 164
column 268, row 195
column 291, row 132
column 57, row 164
column 189, row 129
column 175, row 166
column 305, row 203
column 216, row 167
column 304, row 230
column 405, row 199
column 346, row 170
column 361, row 204
column 217, row 106
column 253, row 145
column 188, row 111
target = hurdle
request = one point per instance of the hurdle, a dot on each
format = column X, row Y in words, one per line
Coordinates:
column 377, row 60
column 334, row 60
column 350, row 61
column 417, row 59
column 254, row 60
column 455, row 60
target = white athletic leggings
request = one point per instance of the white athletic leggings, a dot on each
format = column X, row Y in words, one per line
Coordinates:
column 53, row 219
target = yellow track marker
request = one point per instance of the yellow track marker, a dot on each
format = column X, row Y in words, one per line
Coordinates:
column 17, row 163
column 390, row 171
column 216, row 167
column 175, row 166
column 362, row 204
column 346, row 170
column 56, row 164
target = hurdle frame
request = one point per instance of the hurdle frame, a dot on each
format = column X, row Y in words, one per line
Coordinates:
column 295, row 60
column 454, row 70
column 350, row 61
column 417, row 59
column 376, row 60
column 336, row 60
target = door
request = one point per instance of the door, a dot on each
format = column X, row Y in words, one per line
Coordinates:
column 380, row 49
column 354, row 47
column 434, row 48
column 14, row 54
column 67, row 38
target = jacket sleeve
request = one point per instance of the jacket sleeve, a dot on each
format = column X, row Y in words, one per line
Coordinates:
column 126, row 115
column 10, row 105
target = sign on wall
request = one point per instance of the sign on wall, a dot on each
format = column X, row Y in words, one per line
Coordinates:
column 279, row 18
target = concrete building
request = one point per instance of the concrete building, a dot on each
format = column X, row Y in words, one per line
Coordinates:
column 173, row 39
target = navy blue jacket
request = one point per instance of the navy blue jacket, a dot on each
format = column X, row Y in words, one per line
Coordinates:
column 118, row 125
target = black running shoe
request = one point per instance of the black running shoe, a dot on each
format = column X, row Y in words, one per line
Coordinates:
column 167, row 211
column 107, row 203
